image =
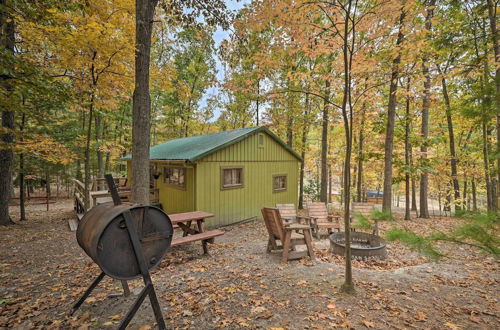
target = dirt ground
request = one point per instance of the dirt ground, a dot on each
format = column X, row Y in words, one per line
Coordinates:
column 44, row 271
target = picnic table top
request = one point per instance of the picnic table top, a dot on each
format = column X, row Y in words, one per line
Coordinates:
column 189, row 216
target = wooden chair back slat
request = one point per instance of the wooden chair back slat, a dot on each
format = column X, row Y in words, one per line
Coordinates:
column 287, row 210
column 273, row 222
column 364, row 209
column 317, row 210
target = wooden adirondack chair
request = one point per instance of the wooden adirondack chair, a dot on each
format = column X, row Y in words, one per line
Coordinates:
column 289, row 213
column 286, row 233
column 320, row 218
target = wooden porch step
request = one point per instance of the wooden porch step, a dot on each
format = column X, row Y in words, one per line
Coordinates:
column 197, row 237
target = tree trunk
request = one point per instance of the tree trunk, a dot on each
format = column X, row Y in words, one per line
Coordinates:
column 359, row 181
column 7, row 138
column 323, row 192
column 301, row 182
column 305, row 129
column 22, row 190
column 447, row 200
column 474, row 195
column 257, row 102
column 464, row 195
column 289, row 131
column 492, row 8
column 424, row 177
column 86, row 164
column 78, row 161
column 391, row 115
column 141, row 117
column 413, row 184
column 47, row 182
column 330, row 178
column 453, row 154
column 99, row 129
column 348, row 285
column 486, row 167
column 407, row 154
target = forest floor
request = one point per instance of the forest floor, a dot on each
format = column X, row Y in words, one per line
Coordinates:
column 43, row 272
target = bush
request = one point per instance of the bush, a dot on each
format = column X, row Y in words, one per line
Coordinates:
column 477, row 230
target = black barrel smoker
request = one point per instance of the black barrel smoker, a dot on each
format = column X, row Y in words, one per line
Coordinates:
column 125, row 241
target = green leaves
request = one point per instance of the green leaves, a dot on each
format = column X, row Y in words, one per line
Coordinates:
column 479, row 231
column 420, row 243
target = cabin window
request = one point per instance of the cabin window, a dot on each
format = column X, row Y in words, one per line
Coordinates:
column 260, row 140
column 175, row 176
column 232, row 177
column 279, row 182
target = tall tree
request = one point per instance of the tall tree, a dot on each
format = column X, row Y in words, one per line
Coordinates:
column 7, row 42
column 323, row 191
column 391, row 115
column 408, row 168
column 492, row 15
column 424, row 177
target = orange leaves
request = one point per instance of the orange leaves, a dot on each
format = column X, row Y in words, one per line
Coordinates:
column 44, row 147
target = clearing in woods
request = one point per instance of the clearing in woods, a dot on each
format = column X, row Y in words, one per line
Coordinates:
column 43, row 271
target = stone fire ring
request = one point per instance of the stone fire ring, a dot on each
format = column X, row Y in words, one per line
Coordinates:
column 363, row 245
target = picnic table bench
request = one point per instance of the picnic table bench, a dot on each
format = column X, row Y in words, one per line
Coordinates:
column 190, row 234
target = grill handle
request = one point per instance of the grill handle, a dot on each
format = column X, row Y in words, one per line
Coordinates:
column 112, row 189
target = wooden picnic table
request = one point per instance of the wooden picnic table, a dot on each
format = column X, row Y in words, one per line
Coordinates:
column 185, row 220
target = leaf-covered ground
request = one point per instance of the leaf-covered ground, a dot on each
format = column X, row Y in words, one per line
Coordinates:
column 43, row 271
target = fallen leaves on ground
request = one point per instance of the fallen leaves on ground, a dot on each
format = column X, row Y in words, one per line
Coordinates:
column 43, row 272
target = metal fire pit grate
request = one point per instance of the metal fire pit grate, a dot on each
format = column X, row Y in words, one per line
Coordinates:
column 363, row 245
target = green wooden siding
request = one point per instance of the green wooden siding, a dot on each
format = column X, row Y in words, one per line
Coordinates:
column 260, row 164
column 173, row 199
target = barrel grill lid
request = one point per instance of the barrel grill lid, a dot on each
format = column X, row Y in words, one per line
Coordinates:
column 103, row 234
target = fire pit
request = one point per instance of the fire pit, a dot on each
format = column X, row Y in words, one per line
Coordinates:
column 363, row 245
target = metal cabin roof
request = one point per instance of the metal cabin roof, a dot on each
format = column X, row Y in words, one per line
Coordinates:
column 196, row 147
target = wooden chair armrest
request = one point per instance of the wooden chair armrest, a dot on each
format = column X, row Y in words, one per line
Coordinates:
column 332, row 217
column 307, row 219
column 313, row 220
column 295, row 226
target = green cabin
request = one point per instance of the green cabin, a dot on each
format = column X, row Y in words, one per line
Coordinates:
column 232, row 174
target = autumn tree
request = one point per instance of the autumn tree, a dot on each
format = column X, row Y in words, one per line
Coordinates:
column 186, row 12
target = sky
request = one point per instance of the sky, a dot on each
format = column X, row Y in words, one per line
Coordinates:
column 220, row 35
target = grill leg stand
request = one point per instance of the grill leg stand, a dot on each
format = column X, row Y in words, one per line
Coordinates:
column 126, row 320
column 149, row 288
column 156, row 307
column 87, row 293
column 126, row 290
